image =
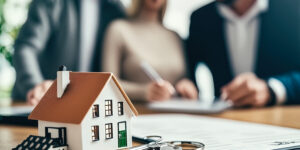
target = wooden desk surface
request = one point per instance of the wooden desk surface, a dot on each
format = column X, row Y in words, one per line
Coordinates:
column 285, row 116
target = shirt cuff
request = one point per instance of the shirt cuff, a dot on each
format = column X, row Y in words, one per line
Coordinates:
column 279, row 90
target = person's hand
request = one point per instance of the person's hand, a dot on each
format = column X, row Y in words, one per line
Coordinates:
column 247, row 90
column 187, row 89
column 159, row 91
column 34, row 95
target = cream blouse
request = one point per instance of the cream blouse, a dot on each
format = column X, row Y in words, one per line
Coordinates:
column 128, row 43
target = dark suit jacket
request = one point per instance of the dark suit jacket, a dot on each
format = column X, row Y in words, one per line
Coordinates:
column 278, row 53
column 51, row 37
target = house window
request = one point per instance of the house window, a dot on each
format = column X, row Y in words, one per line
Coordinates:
column 95, row 111
column 95, row 133
column 108, row 108
column 120, row 108
column 108, row 131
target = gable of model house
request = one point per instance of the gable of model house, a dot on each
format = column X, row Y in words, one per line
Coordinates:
column 79, row 96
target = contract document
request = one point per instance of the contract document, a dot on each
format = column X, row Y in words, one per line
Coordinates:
column 190, row 106
column 216, row 134
column 15, row 110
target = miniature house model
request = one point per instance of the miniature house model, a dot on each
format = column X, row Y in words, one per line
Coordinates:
column 83, row 111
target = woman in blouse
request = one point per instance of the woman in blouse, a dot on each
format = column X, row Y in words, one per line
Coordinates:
column 143, row 38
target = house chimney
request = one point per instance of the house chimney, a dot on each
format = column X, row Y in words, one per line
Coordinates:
column 63, row 79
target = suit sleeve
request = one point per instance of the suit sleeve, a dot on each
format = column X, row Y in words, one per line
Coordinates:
column 31, row 41
column 291, row 81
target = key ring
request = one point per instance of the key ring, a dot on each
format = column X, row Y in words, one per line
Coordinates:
column 154, row 138
column 168, row 145
column 189, row 144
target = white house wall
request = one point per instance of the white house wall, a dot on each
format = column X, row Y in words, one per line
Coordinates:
column 73, row 133
column 110, row 91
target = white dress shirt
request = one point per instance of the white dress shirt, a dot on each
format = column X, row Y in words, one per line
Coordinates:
column 242, row 34
column 90, row 13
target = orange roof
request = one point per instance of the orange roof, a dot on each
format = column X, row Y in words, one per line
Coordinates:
column 76, row 100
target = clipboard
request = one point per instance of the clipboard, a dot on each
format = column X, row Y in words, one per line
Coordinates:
column 17, row 115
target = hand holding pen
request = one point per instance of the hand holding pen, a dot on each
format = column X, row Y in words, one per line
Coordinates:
column 160, row 89
column 167, row 88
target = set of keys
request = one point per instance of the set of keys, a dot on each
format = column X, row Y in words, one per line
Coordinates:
column 157, row 144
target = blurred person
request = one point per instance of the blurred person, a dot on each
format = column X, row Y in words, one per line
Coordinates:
column 143, row 38
column 252, row 48
column 59, row 32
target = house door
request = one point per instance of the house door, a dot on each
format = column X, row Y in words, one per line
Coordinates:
column 122, row 134
column 54, row 132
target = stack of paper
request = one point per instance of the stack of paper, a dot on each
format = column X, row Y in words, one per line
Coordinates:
column 216, row 134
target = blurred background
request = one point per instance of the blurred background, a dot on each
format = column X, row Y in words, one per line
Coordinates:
column 13, row 14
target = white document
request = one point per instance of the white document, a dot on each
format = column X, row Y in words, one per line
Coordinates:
column 216, row 134
column 15, row 110
column 190, row 106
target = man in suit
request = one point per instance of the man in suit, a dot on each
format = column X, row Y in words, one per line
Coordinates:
column 252, row 48
column 59, row 32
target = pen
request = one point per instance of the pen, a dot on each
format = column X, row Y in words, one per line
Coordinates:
column 154, row 76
